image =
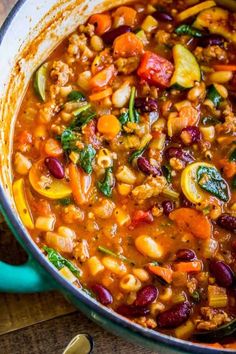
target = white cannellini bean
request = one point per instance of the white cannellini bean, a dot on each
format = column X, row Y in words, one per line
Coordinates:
column 148, row 247
column 121, row 96
column 83, row 80
column 22, row 164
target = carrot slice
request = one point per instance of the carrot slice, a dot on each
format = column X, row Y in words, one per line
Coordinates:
column 53, row 148
column 127, row 45
column 102, row 23
column 127, row 14
column 109, row 125
column 80, row 184
column 224, row 67
column 103, row 78
column 101, row 94
column 188, row 267
column 193, row 221
column 165, row 273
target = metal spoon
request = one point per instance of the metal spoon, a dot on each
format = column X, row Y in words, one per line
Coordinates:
column 81, row 344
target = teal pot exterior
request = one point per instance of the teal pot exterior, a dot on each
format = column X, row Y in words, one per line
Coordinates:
column 30, row 33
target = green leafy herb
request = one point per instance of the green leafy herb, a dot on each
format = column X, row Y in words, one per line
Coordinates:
column 218, row 333
column 68, row 140
column 75, row 96
column 232, row 156
column 107, row 184
column 136, row 154
column 211, row 181
column 196, row 296
column 210, row 121
column 82, row 118
column 59, row 262
column 188, row 30
column 133, row 113
column 86, row 158
column 111, row 253
column 166, row 170
column 124, row 118
column 88, row 292
column 214, row 95
column 65, row 201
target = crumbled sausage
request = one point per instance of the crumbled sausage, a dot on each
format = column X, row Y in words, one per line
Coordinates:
column 60, row 73
column 211, row 318
column 151, row 187
column 209, row 53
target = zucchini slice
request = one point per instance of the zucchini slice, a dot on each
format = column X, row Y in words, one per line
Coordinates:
column 40, row 82
column 216, row 21
column 187, row 70
column 214, row 95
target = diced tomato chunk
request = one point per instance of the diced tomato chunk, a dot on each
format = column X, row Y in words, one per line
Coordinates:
column 140, row 217
column 155, row 69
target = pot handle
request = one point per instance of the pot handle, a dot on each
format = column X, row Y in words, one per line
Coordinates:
column 26, row 278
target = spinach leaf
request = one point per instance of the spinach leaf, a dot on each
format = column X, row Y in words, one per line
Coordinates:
column 133, row 113
column 232, row 156
column 82, row 119
column 214, row 95
column 107, row 184
column 65, row 201
column 196, row 296
column 166, row 170
column 59, row 262
column 75, row 96
column 211, row 181
column 68, row 140
column 86, row 158
column 136, row 154
column 124, row 118
column 210, row 121
column 111, row 253
column 188, row 30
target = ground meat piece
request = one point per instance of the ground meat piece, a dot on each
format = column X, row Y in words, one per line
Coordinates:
column 151, row 187
column 177, row 164
column 81, row 250
column 162, row 37
column 87, row 29
column 232, row 21
column 127, row 65
column 146, row 322
column 192, row 285
column 211, row 318
column 60, row 73
column 47, row 112
column 72, row 214
column 212, row 52
column 229, row 125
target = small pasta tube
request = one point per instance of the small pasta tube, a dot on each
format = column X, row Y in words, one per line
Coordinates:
column 66, row 232
column 104, row 158
column 95, row 266
column 141, row 274
column 130, row 283
column 45, row 223
column 114, row 265
column 166, row 295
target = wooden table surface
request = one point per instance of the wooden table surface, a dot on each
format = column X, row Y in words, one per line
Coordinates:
column 50, row 336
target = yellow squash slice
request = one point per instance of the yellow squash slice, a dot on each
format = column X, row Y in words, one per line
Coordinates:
column 194, row 10
column 192, row 191
column 21, row 203
column 52, row 189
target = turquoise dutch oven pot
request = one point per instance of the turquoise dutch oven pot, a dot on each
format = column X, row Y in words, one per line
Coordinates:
column 30, row 33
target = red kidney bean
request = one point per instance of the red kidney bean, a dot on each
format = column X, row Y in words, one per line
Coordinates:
column 179, row 154
column 139, row 217
column 55, row 167
column 212, row 39
column 132, row 310
column 222, row 273
column 175, row 316
column 146, row 296
column 234, row 245
column 185, row 254
column 145, row 166
column 146, row 104
column 110, row 36
column 104, row 295
column 193, row 135
column 227, row 221
column 162, row 16
column 168, row 206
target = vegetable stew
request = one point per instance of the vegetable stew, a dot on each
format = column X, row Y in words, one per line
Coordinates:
column 124, row 165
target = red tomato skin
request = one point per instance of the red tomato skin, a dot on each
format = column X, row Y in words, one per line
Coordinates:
column 155, row 69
